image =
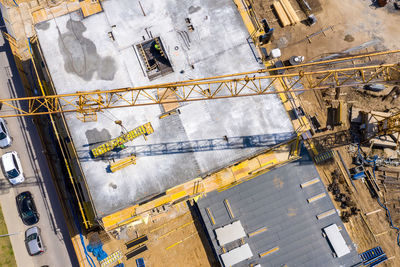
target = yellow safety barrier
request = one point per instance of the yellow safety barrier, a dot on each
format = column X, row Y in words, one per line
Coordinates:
column 210, row 216
column 173, row 230
column 90, row 7
column 326, row 214
column 311, row 182
column 259, row 231
column 228, row 207
column 315, row 198
column 120, row 164
column 181, row 241
column 266, row 253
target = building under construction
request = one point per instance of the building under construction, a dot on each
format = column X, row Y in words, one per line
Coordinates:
column 122, row 80
column 132, row 45
column 281, row 215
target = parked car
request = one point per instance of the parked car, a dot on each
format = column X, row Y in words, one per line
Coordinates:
column 5, row 138
column 375, row 87
column 12, row 167
column 27, row 209
column 33, row 241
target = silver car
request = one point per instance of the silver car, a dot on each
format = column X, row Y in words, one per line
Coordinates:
column 33, row 241
column 5, row 138
column 12, row 167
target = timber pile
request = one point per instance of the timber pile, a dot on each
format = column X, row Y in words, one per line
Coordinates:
column 287, row 15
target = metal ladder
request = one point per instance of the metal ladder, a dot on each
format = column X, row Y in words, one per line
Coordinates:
column 159, row 45
column 143, row 53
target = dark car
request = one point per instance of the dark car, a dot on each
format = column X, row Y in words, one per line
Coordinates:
column 375, row 87
column 27, row 209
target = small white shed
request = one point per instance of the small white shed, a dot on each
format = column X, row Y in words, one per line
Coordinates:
column 236, row 255
column 336, row 240
column 230, row 233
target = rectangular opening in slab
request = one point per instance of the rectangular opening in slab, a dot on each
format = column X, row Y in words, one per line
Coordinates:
column 154, row 58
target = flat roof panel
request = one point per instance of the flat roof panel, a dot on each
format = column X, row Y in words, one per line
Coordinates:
column 336, row 240
column 236, row 255
column 230, row 233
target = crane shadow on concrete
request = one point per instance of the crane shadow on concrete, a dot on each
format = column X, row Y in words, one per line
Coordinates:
column 191, row 146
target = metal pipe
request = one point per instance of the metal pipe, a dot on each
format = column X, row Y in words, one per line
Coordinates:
column 140, row 4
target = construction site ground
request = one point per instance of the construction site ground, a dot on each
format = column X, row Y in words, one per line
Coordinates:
column 174, row 237
column 354, row 26
column 354, row 22
column 366, row 231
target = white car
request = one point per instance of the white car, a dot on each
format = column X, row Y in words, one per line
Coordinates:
column 33, row 241
column 5, row 138
column 12, row 167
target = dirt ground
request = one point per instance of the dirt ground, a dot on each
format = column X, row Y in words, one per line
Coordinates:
column 175, row 238
column 353, row 22
column 316, row 105
column 366, row 231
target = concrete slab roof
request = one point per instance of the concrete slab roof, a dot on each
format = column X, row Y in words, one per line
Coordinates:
column 81, row 55
column 276, row 201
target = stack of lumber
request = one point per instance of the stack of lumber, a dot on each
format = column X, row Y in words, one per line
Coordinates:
column 285, row 12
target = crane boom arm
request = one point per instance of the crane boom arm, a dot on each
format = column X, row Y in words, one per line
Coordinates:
column 227, row 86
column 389, row 125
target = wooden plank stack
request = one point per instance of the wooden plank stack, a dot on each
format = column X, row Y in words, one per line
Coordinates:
column 287, row 15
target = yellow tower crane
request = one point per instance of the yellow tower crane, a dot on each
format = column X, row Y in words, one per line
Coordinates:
column 303, row 77
column 389, row 125
column 226, row 86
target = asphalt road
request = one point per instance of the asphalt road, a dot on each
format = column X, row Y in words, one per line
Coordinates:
column 59, row 249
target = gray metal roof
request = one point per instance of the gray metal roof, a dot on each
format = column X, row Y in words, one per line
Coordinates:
column 275, row 200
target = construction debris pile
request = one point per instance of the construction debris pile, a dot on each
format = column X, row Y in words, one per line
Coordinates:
column 347, row 204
